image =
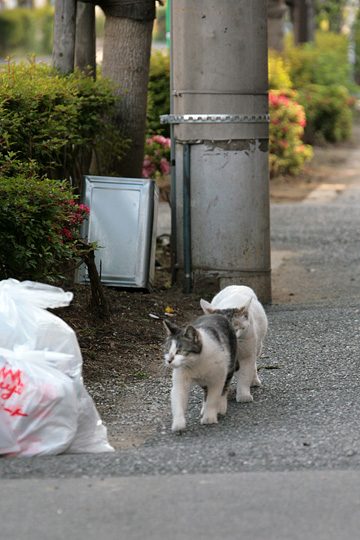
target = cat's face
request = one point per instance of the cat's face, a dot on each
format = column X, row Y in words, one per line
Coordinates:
column 238, row 317
column 182, row 345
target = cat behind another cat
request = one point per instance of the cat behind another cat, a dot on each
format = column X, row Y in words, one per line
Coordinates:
column 242, row 308
column 203, row 353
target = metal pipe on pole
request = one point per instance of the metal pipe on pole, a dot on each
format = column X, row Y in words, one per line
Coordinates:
column 220, row 109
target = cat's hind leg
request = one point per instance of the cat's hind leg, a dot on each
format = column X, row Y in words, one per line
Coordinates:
column 223, row 401
column 212, row 404
column 256, row 380
column 245, row 379
column 204, row 400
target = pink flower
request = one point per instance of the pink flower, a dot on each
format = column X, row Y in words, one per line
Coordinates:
column 164, row 166
column 164, row 141
column 84, row 208
column 148, row 168
column 147, row 162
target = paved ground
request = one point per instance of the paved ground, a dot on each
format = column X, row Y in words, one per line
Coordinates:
column 285, row 466
column 257, row 506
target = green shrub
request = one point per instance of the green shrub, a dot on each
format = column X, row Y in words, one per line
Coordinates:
column 328, row 113
column 39, row 227
column 287, row 152
column 24, row 30
column 158, row 93
column 57, row 120
column 357, row 48
column 323, row 62
column 321, row 73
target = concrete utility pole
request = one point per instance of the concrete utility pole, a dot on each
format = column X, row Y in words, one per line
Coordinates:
column 220, row 118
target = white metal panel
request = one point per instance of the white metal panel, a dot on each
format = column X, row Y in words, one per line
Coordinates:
column 122, row 222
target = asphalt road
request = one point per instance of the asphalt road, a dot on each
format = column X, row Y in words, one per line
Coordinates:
column 257, row 506
column 285, row 466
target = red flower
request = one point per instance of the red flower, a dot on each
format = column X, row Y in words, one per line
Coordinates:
column 66, row 233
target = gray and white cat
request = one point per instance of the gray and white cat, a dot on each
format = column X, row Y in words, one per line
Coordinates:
column 242, row 308
column 203, row 353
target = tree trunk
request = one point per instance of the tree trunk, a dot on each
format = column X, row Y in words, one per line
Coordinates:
column 64, row 35
column 85, row 54
column 126, row 59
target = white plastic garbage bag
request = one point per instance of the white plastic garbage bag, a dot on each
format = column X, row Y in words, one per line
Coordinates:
column 38, row 402
column 48, row 410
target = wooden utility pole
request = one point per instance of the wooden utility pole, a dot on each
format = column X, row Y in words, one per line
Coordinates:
column 64, row 35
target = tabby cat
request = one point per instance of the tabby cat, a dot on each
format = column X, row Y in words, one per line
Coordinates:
column 203, row 353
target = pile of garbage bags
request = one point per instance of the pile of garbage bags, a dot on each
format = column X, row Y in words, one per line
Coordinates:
column 44, row 405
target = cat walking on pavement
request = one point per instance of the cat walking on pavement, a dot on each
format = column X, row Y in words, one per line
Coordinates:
column 204, row 353
column 239, row 304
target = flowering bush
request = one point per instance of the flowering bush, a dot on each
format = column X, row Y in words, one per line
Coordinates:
column 287, row 152
column 39, row 228
column 279, row 77
column 157, row 157
column 75, row 213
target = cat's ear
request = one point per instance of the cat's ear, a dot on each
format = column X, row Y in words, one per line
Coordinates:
column 246, row 308
column 192, row 334
column 243, row 311
column 171, row 328
column 206, row 307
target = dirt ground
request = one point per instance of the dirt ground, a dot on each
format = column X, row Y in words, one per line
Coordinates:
column 128, row 347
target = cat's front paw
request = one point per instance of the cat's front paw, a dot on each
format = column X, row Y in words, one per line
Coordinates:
column 244, row 398
column 178, row 424
column 209, row 418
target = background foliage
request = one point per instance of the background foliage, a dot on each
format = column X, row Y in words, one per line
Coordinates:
column 158, row 93
column 321, row 74
column 24, row 30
